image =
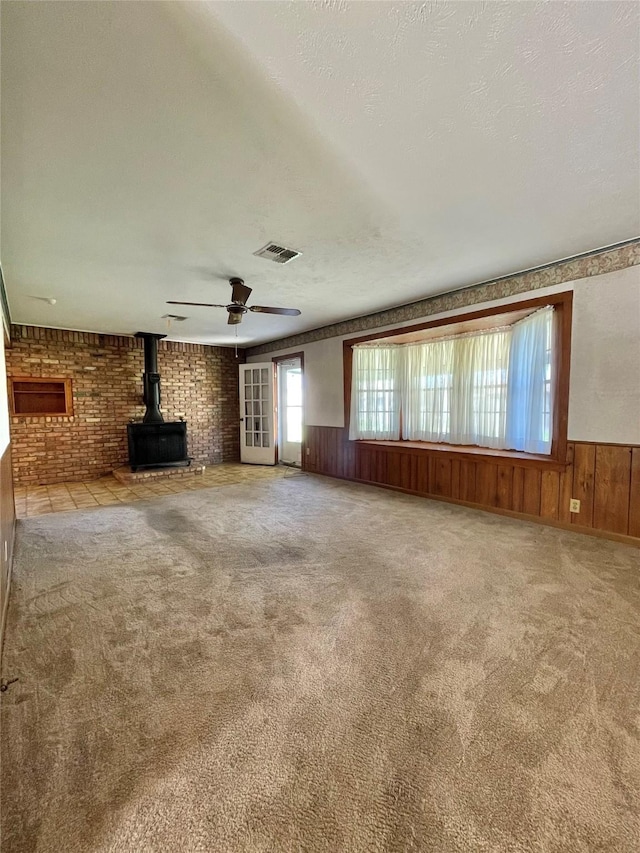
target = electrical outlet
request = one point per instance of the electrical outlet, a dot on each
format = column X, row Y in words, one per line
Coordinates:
column 308, row 451
column 574, row 505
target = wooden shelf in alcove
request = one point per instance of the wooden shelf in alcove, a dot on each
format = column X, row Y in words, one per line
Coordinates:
column 41, row 397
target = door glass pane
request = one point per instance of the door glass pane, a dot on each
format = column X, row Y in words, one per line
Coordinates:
column 265, row 374
column 249, row 439
column 256, row 440
column 256, row 376
column 248, row 408
column 294, row 423
column 265, row 439
column 294, row 388
column 294, row 406
column 265, row 424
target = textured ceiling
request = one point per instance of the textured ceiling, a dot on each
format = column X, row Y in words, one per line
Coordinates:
column 404, row 148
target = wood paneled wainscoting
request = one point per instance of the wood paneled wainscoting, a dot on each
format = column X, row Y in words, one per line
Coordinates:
column 7, row 526
column 605, row 478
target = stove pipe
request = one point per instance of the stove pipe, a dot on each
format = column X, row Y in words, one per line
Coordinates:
column 151, row 378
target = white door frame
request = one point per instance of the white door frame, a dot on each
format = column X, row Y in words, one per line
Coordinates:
column 257, row 422
column 277, row 360
column 289, row 452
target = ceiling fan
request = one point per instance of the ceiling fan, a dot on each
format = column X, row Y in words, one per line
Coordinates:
column 238, row 305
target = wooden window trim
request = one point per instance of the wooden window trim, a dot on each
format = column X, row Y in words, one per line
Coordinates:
column 563, row 306
column 68, row 396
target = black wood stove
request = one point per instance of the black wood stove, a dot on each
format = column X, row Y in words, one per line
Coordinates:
column 155, row 443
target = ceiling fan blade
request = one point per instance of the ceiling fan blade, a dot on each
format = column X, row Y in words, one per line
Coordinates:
column 208, row 273
column 240, row 292
column 234, row 319
column 200, row 304
column 264, row 309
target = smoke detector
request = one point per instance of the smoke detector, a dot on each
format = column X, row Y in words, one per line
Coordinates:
column 278, row 254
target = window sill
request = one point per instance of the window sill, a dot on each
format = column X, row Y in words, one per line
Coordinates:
column 470, row 452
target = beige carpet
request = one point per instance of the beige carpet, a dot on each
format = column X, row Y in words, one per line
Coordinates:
column 308, row 665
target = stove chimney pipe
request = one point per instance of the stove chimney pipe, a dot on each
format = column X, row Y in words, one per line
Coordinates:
column 151, row 378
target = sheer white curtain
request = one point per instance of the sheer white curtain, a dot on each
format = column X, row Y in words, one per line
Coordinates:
column 479, row 400
column 427, row 389
column 375, row 393
column 529, row 414
column 491, row 389
column 455, row 389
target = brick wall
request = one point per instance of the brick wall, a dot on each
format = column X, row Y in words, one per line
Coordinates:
column 198, row 382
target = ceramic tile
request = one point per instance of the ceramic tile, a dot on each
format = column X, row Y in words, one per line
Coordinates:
column 107, row 491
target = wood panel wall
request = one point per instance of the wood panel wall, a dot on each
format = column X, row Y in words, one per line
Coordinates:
column 604, row 477
column 7, row 526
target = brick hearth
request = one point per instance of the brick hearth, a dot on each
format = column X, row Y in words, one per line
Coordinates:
column 125, row 475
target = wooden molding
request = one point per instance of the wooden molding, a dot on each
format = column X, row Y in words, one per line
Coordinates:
column 554, row 299
column 563, row 305
column 459, row 451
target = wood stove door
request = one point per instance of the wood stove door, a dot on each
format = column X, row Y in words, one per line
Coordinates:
column 257, row 434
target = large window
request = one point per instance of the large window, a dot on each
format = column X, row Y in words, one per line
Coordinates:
column 491, row 388
column 377, row 392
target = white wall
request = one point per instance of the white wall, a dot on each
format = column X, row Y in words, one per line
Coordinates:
column 604, row 400
column 4, row 405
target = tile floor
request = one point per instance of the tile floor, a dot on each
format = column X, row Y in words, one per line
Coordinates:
column 40, row 500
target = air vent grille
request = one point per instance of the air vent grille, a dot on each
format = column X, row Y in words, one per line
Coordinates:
column 177, row 317
column 278, row 254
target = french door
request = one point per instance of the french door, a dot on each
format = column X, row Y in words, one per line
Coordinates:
column 257, row 440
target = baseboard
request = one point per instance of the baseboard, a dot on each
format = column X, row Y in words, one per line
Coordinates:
column 536, row 519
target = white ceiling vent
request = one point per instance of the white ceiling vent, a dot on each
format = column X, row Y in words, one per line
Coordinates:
column 276, row 253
